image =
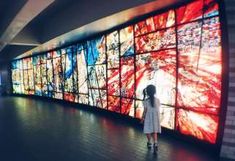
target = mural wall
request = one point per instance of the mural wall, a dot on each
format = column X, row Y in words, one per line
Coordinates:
column 179, row 51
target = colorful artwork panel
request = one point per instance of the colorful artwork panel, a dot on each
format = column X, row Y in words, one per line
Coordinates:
column 56, row 54
column 98, row 98
column 82, row 72
column 167, row 116
column 58, row 95
column 127, row 107
column 159, row 69
column 101, row 75
column 96, row 51
column 69, row 71
column 127, row 77
column 31, row 80
column 50, row 83
column 200, row 70
column 114, row 104
column 113, row 58
column 44, row 79
column 37, row 80
column 17, row 81
column 113, row 82
column 139, row 109
column 190, row 12
column 26, row 82
column 211, row 8
column 144, row 27
column 36, row 60
column 83, row 99
column 92, row 75
column 201, row 126
column 163, row 39
column 112, row 40
column 164, row 20
column 127, row 41
column 69, row 97
column 58, row 74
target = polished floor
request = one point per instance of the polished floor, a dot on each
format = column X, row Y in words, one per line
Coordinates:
column 40, row 130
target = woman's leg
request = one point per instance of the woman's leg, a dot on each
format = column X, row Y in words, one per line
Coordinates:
column 149, row 137
column 149, row 144
column 154, row 135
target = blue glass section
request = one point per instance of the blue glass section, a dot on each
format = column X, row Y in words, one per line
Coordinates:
column 79, row 47
column 38, row 92
column 69, row 65
column 129, row 51
column 36, row 60
column 14, row 64
column 93, row 50
column 214, row 13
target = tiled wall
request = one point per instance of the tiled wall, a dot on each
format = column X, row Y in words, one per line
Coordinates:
column 228, row 144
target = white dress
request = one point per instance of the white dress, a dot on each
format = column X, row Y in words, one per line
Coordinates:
column 152, row 116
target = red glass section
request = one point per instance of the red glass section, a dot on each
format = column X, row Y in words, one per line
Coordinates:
column 113, row 82
column 127, row 107
column 114, row 104
column 159, row 69
column 164, row 20
column 201, row 126
column 139, row 109
column 190, row 12
column 211, row 8
column 155, row 41
column 127, row 77
column 144, row 27
column 200, row 65
column 69, row 97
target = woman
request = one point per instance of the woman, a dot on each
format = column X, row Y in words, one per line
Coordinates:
column 151, row 116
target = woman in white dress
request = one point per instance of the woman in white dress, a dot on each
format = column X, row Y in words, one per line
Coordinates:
column 151, row 116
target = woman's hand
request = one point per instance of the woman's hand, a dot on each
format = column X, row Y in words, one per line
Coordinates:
column 142, row 120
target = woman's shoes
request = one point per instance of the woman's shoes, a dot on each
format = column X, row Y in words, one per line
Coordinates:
column 149, row 145
column 155, row 146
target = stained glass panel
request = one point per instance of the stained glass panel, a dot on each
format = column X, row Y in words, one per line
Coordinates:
column 113, row 58
column 83, row 99
column 50, row 83
column 82, row 72
column 155, row 41
column 211, row 8
column 96, row 51
column 167, row 116
column 69, row 71
column 114, row 104
column 127, row 41
column 190, row 12
column 113, row 82
column 112, row 40
column 164, row 20
column 201, row 126
column 200, row 67
column 58, row 75
column 159, row 69
column 127, row 107
column 139, row 109
column 127, row 77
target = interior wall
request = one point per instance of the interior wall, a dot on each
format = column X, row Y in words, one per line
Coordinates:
column 228, row 144
column 5, row 86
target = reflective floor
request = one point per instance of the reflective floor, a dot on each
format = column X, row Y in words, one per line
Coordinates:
column 39, row 130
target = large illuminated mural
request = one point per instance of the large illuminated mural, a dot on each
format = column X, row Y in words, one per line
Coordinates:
column 179, row 51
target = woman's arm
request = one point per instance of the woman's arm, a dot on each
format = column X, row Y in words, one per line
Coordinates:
column 144, row 114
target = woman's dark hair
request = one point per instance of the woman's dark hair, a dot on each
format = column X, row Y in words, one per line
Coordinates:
column 151, row 90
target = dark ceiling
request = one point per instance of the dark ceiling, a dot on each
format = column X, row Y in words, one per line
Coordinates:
column 32, row 26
